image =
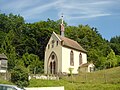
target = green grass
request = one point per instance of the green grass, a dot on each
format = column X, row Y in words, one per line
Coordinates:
column 108, row 79
column 4, row 81
column 73, row 86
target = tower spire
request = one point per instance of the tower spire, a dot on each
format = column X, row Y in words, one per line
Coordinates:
column 62, row 26
column 62, row 18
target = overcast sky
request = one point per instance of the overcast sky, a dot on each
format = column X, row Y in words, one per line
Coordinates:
column 102, row 14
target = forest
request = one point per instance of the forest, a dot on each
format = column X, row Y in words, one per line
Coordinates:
column 24, row 43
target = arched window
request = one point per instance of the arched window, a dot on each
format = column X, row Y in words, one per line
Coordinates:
column 53, row 57
column 54, row 67
column 53, row 43
column 71, row 58
column 57, row 43
column 80, row 59
column 51, row 67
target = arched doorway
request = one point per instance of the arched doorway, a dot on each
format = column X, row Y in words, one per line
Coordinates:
column 52, row 67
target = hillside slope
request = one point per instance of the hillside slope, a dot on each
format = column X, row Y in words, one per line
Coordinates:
column 108, row 79
column 111, row 76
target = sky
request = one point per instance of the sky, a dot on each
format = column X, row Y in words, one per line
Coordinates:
column 102, row 14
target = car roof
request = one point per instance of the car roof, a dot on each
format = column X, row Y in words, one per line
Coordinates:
column 11, row 86
column 7, row 85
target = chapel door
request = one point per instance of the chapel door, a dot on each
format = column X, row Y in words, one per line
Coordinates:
column 52, row 67
column 52, row 64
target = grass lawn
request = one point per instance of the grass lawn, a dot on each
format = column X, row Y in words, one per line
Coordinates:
column 73, row 86
column 108, row 79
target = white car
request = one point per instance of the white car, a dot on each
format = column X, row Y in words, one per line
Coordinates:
column 9, row 87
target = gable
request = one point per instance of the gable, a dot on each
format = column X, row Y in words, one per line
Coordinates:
column 65, row 42
column 53, row 39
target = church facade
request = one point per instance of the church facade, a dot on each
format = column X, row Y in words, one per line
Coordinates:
column 63, row 54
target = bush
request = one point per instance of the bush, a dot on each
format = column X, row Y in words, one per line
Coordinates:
column 19, row 76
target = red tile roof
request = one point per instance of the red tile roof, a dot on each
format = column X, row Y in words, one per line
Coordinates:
column 85, row 65
column 71, row 44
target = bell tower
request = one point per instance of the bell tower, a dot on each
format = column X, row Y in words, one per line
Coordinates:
column 62, row 28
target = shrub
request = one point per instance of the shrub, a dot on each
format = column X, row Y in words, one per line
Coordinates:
column 19, row 76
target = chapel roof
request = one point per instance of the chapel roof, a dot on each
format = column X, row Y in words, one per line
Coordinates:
column 71, row 43
column 3, row 56
column 85, row 65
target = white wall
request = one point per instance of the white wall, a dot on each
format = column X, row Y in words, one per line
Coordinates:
column 3, row 71
column 92, row 66
column 84, row 57
column 66, row 60
column 46, row 88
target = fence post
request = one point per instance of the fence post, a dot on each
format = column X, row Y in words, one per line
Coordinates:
column 105, row 78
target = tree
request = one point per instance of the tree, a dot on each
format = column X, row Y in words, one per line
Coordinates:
column 9, row 50
column 111, row 60
column 36, row 66
column 10, row 22
column 19, row 76
column 2, row 37
column 33, row 63
column 118, row 60
column 115, row 44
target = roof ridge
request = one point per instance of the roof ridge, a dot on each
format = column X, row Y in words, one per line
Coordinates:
column 56, row 35
column 71, row 43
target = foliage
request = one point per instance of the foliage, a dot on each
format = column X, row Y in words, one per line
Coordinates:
column 32, row 62
column 10, row 22
column 118, row 60
column 9, row 50
column 71, row 71
column 19, row 76
column 115, row 44
column 2, row 37
column 111, row 60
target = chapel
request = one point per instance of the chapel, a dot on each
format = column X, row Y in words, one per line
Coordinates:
column 63, row 54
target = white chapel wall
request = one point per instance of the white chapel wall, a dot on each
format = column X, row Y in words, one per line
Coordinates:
column 66, row 60
column 84, row 57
